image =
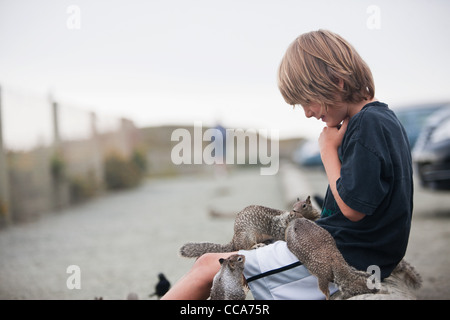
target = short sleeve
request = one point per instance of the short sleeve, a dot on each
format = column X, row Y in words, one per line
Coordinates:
column 361, row 185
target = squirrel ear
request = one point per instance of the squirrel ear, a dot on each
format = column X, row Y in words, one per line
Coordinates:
column 308, row 200
column 221, row 260
column 298, row 199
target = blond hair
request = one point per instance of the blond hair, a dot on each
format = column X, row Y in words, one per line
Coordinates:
column 321, row 66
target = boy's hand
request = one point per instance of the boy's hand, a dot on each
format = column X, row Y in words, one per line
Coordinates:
column 329, row 141
column 331, row 137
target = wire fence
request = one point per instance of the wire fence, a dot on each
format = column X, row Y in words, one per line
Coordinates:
column 53, row 154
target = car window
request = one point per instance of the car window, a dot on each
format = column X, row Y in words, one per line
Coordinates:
column 442, row 132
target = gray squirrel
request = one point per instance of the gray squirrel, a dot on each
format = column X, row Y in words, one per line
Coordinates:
column 316, row 249
column 254, row 225
column 310, row 243
column 229, row 283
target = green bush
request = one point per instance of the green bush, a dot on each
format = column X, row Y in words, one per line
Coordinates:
column 121, row 173
column 57, row 166
column 140, row 160
column 82, row 187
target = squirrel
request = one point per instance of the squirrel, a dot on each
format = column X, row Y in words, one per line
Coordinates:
column 306, row 240
column 313, row 246
column 228, row 283
column 255, row 226
column 398, row 286
column 316, row 249
column 408, row 274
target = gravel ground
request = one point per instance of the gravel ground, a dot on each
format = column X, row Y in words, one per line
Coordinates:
column 121, row 241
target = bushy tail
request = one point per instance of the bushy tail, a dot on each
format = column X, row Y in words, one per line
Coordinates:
column 409, row 274
column 352, row 282
column 196, row 249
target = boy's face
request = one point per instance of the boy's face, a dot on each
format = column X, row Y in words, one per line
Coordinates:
column 332, row 117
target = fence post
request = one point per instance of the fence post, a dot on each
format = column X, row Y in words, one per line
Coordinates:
column 5, row 217
column 56, row 134
column 58, row 162
column 97, row 153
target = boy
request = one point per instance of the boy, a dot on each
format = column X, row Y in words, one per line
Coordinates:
column 367, row 160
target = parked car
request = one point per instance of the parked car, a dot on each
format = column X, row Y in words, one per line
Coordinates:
column 413, row 118
column 431, row 154
column 308, row 154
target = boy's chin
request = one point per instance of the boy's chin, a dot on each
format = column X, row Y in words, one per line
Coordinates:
column 332, row 124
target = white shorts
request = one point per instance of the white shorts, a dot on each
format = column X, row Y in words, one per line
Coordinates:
column 274, row 273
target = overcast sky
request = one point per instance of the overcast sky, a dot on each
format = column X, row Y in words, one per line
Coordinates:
column 180, row 61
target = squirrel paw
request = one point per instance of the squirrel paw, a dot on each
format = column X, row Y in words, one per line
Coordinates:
column 258, row 245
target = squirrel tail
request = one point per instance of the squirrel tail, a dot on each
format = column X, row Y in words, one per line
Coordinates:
column 352, row 282
column 409, row 274
column 196, row 249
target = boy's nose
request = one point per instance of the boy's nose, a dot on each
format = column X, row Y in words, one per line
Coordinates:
column 308, row 113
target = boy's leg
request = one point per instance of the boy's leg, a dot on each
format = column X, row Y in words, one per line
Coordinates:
column 274, row 269
column 196, row 284
column 274, row 272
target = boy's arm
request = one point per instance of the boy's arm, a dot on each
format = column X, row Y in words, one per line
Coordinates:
column 329, row 141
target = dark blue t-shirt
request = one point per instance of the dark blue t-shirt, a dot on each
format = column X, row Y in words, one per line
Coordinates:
column 376, row 179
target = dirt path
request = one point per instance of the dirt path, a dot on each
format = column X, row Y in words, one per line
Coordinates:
column 122, row 241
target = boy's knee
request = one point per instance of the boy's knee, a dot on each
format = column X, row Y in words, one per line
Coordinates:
column 208, row 264
column 207, row 261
